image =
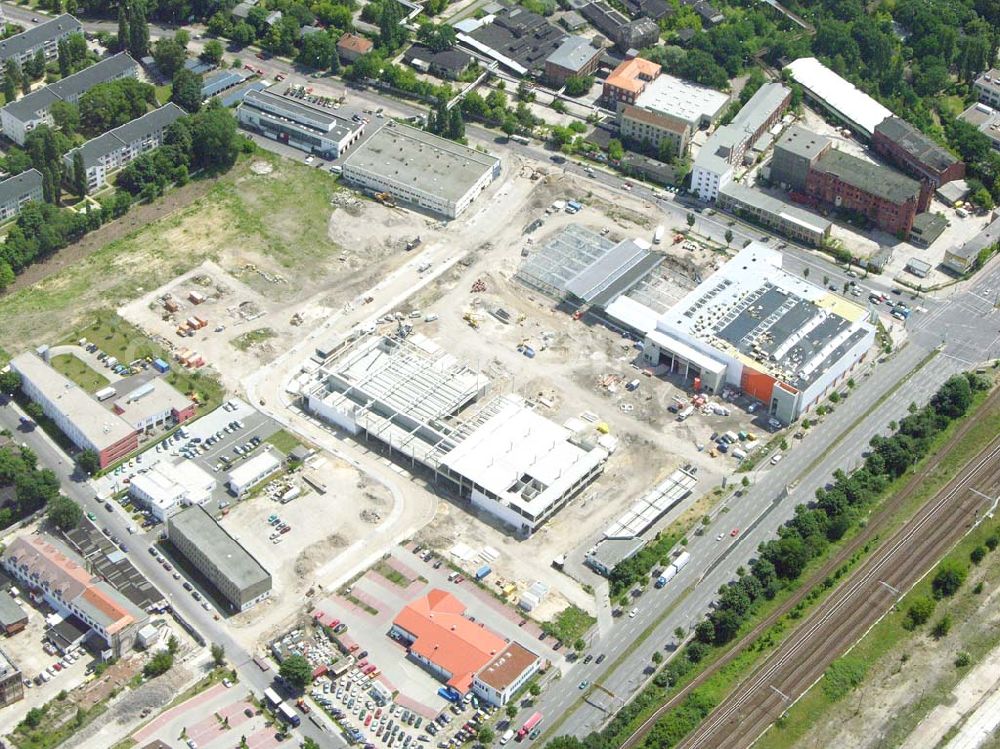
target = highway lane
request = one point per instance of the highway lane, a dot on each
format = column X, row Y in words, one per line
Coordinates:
column 78, row 488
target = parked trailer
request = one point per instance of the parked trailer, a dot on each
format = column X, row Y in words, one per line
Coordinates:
column 286, row 713
column 681, row 561
column 104, row 393
column 483, row 572
column 658, row 234
column 272, row 697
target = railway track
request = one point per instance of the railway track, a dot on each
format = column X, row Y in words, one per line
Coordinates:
column 877, row 521
column 852, row 610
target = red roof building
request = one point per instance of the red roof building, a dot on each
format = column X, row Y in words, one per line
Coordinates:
column 444, row 640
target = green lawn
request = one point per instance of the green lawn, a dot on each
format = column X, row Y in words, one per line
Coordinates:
column 79, row 372
column 284, row 441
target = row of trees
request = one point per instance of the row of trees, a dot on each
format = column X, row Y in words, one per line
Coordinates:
column 33, row 487
column 780, row 561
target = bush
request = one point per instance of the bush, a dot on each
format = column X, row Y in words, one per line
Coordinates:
column 977, row 555
column 920, row 611
column 992, row 542
column 843, row 675
column 962, row 660
column 158, row 664
column 948, row 580
column 942, row 628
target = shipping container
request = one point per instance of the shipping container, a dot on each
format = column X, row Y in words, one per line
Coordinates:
column 196, row 297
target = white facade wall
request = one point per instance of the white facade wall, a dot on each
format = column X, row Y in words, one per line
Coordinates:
column 500, row 697
column 845, row 364
column 409, row 194
column 708, row 182
column 343, row 419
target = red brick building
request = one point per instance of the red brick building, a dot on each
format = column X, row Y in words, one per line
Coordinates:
column 629, row 80
column 887, row 198
column 902, row 144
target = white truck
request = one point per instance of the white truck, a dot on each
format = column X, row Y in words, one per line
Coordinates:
column 658, row 234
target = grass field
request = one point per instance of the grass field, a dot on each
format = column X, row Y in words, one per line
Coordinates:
column 79, row 372
column 284, row 441
column 571, row 624
column 251, row 338
column 282, row 215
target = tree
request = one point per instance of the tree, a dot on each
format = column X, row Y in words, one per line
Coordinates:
column 34, row 717
column 690, row 219
column 65, row 62
column 218, row 654
column 79, row 175
column 214, row 137
column 535, row 689
column 578, row 85
column 486, row 735
column 9, row 85
column 657, row 657
column 173, row 645
column 158, row 664
column 437, row 37
column 296, row 670
column 185, row 91
column 242, row 34
column 138, row 30
column 456, row 126
column 212, row 52
column 615, row 149
column 948, row 580
column 109, row 105
column 123, row 14
column 579, row 645
column 10, row 381
column 318, row 50
column 511, row 710
column 919, row 611
column 89, row 462
column 169, row 55
column 64, row 513
column 66, row 117
column 977, row 554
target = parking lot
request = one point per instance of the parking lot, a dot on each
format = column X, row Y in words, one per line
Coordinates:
column 210, row 441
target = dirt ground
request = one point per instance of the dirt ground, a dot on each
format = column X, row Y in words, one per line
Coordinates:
column 579, row 368
column 354, row 507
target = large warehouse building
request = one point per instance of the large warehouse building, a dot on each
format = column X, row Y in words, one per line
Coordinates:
column 784, row 218
column 410, row 395
column 838, row 96
column 755, row 327
column 88, row 424
column 421, row 169
column 205, row 544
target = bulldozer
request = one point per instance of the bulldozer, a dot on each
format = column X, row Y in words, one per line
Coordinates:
column 385, row 199
column 471, row 319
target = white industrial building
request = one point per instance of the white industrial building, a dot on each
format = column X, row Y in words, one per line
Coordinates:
column 507, row 460
column 165, row 489
column 155, row 402
column 838, row 96
column 691, row 103
column 247, row 475
column 755, row 327
column 298, row 124
column 416, row 167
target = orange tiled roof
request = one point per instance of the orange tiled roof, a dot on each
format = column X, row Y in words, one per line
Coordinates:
column 355, row 43
column 443, row 636
column 628, row 75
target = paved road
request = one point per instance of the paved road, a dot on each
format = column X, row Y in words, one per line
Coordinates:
column 79, row 489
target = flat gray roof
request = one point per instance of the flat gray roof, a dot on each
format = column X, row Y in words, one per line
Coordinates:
column 878, row 180
column 801, row 142
column 225, row 552
column 70, row 87
column 10, row 612
column 299, row 112
column 915, row 143
column 51, row 30
column 13, row 188
column 774, row 206
column 610, row 552
column 98, row 425
column 573, row 53
column 988, row 236
column 405, row 155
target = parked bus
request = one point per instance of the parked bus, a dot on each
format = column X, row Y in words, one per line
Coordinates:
column 529, row 725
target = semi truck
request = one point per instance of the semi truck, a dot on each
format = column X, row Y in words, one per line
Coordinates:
column 681, row 562
column 666, row 576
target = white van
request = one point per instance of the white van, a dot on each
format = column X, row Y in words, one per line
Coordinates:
column 507, row 736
